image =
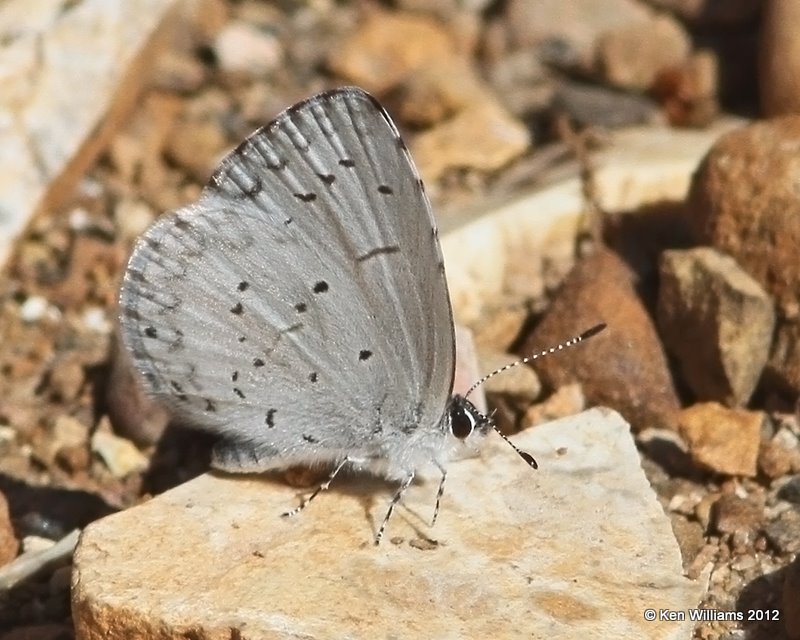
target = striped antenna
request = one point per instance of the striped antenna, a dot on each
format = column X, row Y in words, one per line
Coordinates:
column 569, row 343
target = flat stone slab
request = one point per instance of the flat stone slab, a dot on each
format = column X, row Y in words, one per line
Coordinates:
column 580, row 548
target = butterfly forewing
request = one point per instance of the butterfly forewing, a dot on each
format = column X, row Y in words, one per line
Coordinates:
column 299, row 308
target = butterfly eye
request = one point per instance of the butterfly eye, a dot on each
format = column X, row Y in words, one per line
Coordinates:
column 462, row 420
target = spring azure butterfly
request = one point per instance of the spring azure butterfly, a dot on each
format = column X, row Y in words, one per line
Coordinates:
column 299, row 308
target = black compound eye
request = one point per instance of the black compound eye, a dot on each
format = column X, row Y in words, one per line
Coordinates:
column 462, row 420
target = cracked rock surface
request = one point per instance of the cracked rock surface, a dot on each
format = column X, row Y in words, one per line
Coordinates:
column 580, row 546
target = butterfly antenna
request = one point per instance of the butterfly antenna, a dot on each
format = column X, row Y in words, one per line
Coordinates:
column 527, row 457
column 569, row 343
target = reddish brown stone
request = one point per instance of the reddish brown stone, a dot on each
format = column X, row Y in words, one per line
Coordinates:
column 624, row 367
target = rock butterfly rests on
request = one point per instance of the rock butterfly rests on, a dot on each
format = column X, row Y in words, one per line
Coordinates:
column 299, row 309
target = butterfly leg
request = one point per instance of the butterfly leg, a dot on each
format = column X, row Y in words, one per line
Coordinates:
column 439, row 493
column 323, row 487
column 405, row 485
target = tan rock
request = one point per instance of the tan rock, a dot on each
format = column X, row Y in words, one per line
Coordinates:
column 213, row 559
column 120, row 455
column 388, row 47
column 484, row 137
column 633, row 55
column 439, row 90
column 724, row 440
column 196, row 142
column 717, row 322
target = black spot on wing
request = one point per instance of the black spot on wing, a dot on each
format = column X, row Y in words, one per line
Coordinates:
column 136, row 275
column 131, row 314
column 378, row 251
column 385, row 190
column 237, row 309
column 364, row 354
column 269, row 420
column 306, row 197
column 320, row 287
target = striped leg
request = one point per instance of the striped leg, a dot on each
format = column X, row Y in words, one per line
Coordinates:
column 406, row 484
column 439, row 493
column 323, row 487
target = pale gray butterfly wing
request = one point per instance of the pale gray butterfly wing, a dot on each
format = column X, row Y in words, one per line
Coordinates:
column 300, row 308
